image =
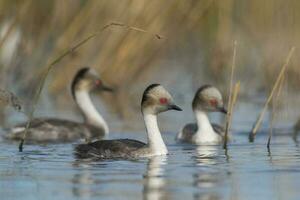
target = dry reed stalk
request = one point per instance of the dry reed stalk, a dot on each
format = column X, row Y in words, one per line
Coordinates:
column 63, row 55
column 275, row 104
column 230, row 95
column 271, row 127
column 233, row 102
column 235, row 93
column 276, row 84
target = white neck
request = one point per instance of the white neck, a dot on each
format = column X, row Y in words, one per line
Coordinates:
column 205, row 132
column 155, row 140
column 91, row 115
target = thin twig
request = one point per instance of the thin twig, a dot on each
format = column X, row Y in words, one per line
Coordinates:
column 260, row 117
column 230, row 95
column 63, row 55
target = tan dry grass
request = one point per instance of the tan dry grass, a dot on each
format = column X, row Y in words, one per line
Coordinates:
column 199, row 40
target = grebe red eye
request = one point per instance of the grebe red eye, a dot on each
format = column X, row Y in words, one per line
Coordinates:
column 163, row 100
column 213, row 102
column 98, row 82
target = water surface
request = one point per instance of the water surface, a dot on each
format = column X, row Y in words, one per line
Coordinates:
column 247, row 171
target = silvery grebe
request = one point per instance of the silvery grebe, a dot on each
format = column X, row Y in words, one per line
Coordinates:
column 45, row 130
column 207, row 99
column 155, row 100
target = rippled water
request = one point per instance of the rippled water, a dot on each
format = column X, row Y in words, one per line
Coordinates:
column 248, row 171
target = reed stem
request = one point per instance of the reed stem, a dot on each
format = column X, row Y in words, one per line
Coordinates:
column 276, row 84
column 275, row 105
column 230, row 96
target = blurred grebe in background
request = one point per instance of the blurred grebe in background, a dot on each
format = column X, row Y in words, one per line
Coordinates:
column 53, row 130
column 207, row 99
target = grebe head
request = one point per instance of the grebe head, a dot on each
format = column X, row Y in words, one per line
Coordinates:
column 87, row 79
column 208, row 99
column 157, row 99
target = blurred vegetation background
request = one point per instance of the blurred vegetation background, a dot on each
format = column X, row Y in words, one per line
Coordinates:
column 196, row 49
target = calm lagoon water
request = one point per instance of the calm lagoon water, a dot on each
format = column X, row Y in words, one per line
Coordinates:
column 189, row 172
column 246, row 171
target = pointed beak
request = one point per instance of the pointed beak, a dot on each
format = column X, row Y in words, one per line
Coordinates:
column 174, row 107
column 107, row 89
column 222, row 110
column 101, row 86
